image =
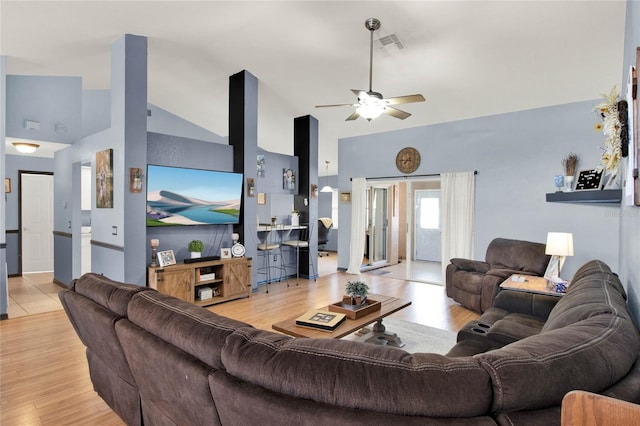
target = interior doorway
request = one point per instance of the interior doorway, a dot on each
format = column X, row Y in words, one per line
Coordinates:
column 36, row 221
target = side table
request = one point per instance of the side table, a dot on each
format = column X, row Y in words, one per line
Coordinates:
column 531, row 284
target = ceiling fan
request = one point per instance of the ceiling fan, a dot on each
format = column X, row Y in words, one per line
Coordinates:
column 371, row 104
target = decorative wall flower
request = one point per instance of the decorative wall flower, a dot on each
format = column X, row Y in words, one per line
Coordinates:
column 611, row 127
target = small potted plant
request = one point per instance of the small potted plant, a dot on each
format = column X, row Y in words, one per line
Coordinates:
column 356, row 293
column 195, row 247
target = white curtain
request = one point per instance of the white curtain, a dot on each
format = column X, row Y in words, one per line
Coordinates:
column 358, row 224
column 457, row 192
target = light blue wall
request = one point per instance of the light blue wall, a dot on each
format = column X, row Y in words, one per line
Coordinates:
column 96, row 111
column 48, row 101
column 516, row 156
column 630, row 216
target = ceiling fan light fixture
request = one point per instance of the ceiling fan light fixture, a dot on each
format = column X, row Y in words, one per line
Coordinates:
column 370, row 111
column 25, row 147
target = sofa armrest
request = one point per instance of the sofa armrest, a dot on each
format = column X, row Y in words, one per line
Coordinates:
column 470, row 265
column 537, row 305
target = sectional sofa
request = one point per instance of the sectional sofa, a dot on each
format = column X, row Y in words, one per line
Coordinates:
column 187, row 365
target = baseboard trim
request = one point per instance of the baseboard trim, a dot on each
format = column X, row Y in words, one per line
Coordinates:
column 60, row 283
column 4, row 317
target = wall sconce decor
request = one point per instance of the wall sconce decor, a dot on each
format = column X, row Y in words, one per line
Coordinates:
column 135, row 180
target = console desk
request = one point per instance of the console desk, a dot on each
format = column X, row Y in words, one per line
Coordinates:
column 228, row 279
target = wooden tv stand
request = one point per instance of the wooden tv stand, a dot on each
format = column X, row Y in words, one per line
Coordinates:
column 232, row 280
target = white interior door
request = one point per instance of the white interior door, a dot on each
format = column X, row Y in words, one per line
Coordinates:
column 37, row 222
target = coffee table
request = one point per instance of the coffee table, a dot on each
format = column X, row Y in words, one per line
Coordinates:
column 389, row 305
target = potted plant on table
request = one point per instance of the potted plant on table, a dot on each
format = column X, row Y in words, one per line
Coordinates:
column 195, row 247
column 356, row 293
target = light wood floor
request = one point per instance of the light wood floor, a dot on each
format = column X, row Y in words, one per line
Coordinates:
column 44, row 378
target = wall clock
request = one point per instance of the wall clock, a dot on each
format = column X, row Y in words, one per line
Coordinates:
column 408, row 160
column 237, row 250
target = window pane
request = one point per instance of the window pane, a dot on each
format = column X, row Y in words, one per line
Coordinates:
column 430, row 213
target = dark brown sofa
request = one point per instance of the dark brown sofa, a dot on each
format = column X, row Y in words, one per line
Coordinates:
column 195, row 367
column 474, row 284
column 94, row 304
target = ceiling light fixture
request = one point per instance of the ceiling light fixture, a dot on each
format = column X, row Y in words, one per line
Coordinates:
column 26, row 148
column 327, row 188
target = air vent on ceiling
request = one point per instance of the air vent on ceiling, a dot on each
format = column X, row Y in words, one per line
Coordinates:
column 391, row 42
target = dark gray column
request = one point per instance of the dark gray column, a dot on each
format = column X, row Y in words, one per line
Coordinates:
column 243, row 136
column 305, row 134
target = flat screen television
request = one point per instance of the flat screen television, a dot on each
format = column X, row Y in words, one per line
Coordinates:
column 183, row 196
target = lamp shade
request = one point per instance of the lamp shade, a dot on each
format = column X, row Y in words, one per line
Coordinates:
column 326, row 188
column 559, row 244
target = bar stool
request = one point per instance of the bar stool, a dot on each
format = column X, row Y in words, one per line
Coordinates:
column 302, row 244
column 271, row 247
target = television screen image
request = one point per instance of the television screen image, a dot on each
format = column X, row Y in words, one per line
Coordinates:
column 184, row 196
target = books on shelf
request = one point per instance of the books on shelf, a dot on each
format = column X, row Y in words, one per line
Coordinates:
column 321, row 320
column 206, row 277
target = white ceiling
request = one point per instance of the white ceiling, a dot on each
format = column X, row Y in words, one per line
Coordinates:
column 468, row 59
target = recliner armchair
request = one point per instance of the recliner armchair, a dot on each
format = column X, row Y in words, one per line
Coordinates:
column 474, row 284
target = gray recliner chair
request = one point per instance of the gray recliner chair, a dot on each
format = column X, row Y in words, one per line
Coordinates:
column 474, row 284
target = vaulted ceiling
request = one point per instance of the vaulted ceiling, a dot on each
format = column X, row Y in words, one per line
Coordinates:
column 468, row 58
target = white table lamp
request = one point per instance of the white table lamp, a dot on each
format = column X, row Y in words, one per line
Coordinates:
column 559, row 245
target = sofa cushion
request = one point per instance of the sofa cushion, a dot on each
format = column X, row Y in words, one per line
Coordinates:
column 113, row 295
column 174, row 386
column 233, row 396
column 359, row 375
column 593, row 294
column 538, row 371
column 191, row 328
column 525, row 256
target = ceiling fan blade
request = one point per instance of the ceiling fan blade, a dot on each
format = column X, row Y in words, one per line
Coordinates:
column 353, row 116
column 334, row 105
column 394, row 112
column 404, row 99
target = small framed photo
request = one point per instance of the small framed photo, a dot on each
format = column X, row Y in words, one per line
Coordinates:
column 262, row 198
column 225, row 253
column 588, row 179
column 345, row 197
column 7, row 185
column 166, row 258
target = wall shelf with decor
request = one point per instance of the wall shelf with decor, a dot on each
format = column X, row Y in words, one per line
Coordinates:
column 597, row 196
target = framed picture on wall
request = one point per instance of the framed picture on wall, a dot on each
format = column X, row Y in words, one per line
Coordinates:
column 345, row 197
column 288, row 179
column 260, row 166
column 262, row 198
column 7, row 185
column 104, row 179
column 166, row 258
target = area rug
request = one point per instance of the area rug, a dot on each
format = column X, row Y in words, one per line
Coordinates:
column 417, row 337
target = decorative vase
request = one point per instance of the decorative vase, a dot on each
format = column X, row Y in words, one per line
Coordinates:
column 568, row 182
column 195, row 254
